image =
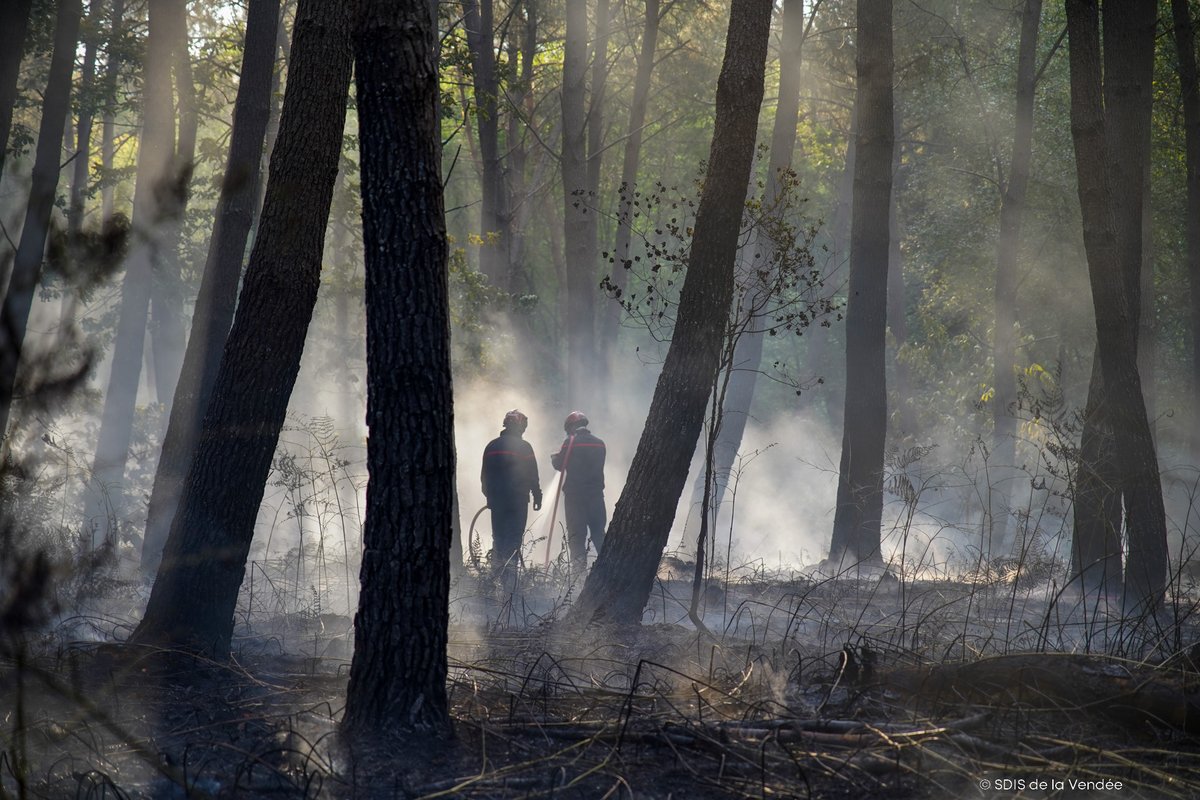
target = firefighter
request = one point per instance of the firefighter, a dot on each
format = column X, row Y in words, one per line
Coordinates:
column 510, row 476
column 581, row 460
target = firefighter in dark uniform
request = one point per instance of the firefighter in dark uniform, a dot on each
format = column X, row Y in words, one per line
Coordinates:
column 581, row 460
column 510, row 476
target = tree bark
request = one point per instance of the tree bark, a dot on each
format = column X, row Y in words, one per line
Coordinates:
column 577, row 211
column 1004, row 340
column 107, row 136
column 27, row 266
column 897, row 308
column 217, row 297
column 87, row 112
column 620, row 582
column 611, row 318
column 478, row 19
column 204, row 560
column 1189, row 88
column 857, row 520
column 398, row 676
column 14, row 25
column 154, row 203
column 1111, row 233
column 518, row 206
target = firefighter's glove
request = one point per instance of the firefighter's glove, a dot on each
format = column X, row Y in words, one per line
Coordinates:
column 556, row 460
column 537, row 503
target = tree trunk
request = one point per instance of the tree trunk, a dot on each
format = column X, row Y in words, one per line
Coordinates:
column 112, row 67
column 1111, row 234
column 595, row 115
column 747, row 355
column 897, row 308
column 27, row 266
column 577, row 211
column 154, row 202
column 478, row 19
column 856, row 525
column 204, row 559
column 1004, row 342
column 87, row 112
column 14, row 25
column 620, row 582
column 166, row 301
column 398, row 676
column 518, row 206
column 1189, row 88
column 609, row 321
column 1096, row 545
column 217, row 297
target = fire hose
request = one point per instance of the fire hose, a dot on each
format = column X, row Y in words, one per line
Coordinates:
column 562, row 476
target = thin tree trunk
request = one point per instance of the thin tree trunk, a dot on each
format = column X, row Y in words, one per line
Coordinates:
column 1189, row 88
column 609, row 321
column 398, row 676
column 154, row 197
column 14, row 25
column 217, row 297
column 1112, row 267
column 478, row 18
column 577, row 211
column 27, row 266
column 194, row 596
column 595, row 115
column 897, row 307
column 518, row 205
column 1004, row 342
column 166, row 300
column 857, row 520
column 87, row 111
column 112, row 68
column 619, row 585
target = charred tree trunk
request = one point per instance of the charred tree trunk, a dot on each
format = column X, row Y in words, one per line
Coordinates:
column 857, row 520
column 154, row 205
column 577, row 211
column 217, row 298
column 112, row 68
column 166, row 301
column 204, row 559
column 398, row 676
column 747, row 354
column 87, row 113
column 1189, row 88
column 1004, row 342
column 14, row 25
column 620, row 582
column 478, row 18
column 610, row 320
column 27, row 267
column 1112, row 238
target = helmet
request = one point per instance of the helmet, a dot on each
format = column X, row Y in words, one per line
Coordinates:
column 515, row 419
column 575, row 420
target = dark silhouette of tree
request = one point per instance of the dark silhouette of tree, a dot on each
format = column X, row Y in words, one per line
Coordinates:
column 14, row 24
column 620, row 582
column 156, row 200
column 204, row 559
column 1110, row 197
column 217, row 297
column 1189, row 88
column 1012, row 212
column 857, row 520
column 398, row 676
column 27, row 266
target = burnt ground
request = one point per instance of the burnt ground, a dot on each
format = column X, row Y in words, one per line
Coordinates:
column 805, row 688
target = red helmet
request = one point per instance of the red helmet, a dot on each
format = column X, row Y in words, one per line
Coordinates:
column 515, row 419
column 575, row 420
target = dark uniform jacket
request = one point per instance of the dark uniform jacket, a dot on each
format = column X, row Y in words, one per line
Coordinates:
column 585, row 465
column 510, row 473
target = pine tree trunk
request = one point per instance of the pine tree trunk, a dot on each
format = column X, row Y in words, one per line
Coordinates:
column 87, row 112
column 108, row 128
column 857, row 520
column 897, row 306
column 27, row 266
column 204, row 560
column 1004, row 342
column 1111, row 234
column 217, row 297
column 519, row 204
column 14, row 25
column 478, row 19
column 1189, row 88
column 398, row 676
column 154, row 198
column 619, row 585
column 577, row 212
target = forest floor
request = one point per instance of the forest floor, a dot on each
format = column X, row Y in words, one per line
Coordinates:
column 865, row 688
